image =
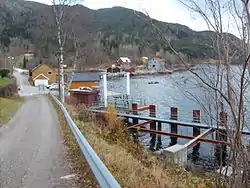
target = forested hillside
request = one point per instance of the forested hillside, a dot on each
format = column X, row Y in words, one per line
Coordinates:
column 102, row 35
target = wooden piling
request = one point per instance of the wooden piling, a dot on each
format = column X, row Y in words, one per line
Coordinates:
column 135, row 112
column 196, row 119
column 221, row 150
column 135, row 121
column 173, row 127
column 152, row 113
column 222, row 134
column 159, row 142
column 196, row 132
column 223, row 118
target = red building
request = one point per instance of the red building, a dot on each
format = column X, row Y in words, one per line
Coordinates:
column 113, row 70
column 124, row 62
column 129, row 70
column 86, row 98
column 95, row 70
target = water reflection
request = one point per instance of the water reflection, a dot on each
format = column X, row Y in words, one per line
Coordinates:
column 180, row 90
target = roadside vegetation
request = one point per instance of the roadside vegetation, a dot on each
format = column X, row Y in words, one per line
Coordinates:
column 3, row 81
column 131, row 164
column 30, row 81
column 8, row 107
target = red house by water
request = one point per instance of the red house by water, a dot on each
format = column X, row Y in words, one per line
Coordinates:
column 123, row 61
column 129, row 70
column 28, row 52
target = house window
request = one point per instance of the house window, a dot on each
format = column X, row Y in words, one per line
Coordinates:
column 49, row 72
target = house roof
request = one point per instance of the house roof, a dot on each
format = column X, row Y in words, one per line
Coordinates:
column 40, row 66
column 42, row 76
column 125, row 59
column 31, row 64
column 159, row 59
column 85, row 77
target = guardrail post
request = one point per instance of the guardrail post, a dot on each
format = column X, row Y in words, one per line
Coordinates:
column 152, row 111
column 100, row 171
column 159, row 143
column 135, row 121
column 173, row 127
column 196, row 132
column 221, row 150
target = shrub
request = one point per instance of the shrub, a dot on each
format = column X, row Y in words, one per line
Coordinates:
column 111, row 118
column 9, row 89
column 82, row 111
column 4, row 72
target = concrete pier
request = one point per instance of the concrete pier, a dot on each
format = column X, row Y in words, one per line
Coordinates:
column 176, row 153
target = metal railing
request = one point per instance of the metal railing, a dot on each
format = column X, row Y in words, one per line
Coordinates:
column 121, row 101
column 100, row 171
column 169, row 121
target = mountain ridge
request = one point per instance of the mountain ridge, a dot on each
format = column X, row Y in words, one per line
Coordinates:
column 103, row 33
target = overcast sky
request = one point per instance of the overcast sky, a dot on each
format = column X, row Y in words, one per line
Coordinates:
column 164, row 10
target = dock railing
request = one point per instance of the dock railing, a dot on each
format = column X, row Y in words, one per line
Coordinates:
column 100, row 171
column 168, row 121
column 121, row 102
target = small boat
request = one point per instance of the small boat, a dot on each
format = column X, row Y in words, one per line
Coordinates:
column 114, row 94
column 96, row 87
column 153, row 82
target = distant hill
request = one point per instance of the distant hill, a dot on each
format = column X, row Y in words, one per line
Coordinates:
column 103, row 34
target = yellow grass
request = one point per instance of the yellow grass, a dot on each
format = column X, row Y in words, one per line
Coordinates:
column 131, row 164
column 138, row 169
column 128, row 171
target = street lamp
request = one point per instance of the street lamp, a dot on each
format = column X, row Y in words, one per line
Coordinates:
column 11, row 63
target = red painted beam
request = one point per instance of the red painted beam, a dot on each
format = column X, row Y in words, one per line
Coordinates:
column 184, row 136
column 169, row 122
column 139, row 125
column 195, row 141
column 141, row 108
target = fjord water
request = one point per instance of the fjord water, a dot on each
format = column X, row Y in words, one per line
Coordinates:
column 182, row 90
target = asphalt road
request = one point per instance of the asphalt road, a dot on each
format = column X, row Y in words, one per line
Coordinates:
column 32, row 153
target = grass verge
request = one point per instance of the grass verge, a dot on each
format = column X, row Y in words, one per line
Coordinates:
column 8, row 107
column 4, row 81
column 130, row 163
column 78, row 164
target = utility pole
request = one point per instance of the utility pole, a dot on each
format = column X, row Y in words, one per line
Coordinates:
column 5, row 61
column 62, row 75
column 72, row 76
column 11, row 64
column 59, row 76
column 128, row 83
column 105, row 90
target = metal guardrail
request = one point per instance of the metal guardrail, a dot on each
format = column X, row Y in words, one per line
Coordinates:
column 169, row 121
column 100, row 171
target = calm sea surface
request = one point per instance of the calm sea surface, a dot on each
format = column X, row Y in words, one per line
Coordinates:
column 179, row 89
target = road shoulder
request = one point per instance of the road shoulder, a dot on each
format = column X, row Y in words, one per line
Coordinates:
column 8, row 108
